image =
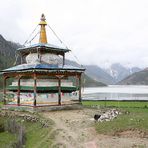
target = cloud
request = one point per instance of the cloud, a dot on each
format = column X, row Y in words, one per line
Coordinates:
column 97, row 31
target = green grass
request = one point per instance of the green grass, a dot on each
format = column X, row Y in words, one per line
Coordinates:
column 37, row 136
column 6, row 139
column 137, row 119
column 1, row 96
column 1, row 104
column 120, row 104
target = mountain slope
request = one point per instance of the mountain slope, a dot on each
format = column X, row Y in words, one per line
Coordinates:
column 88, row 82
column 138, row 78
column 89, row 79
column 94, row 72
column 7, row 53
column 98, row 74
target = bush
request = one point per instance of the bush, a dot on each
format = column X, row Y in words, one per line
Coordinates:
column 2, row 129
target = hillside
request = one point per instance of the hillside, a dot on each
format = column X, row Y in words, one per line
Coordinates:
column 88, row 82
column 7, row 54
column 138, row 78
column 94, row 74
column 98, row 74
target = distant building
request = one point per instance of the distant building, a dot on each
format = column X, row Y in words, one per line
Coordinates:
column 42, row 78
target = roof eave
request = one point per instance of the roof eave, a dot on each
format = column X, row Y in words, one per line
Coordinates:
column 54, row 49
column 45, row 69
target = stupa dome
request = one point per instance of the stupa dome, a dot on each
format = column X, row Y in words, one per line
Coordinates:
column 48, row 58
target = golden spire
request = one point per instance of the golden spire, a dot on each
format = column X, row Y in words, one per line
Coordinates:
column 43, row 37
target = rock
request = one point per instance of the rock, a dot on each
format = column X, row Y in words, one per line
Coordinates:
column 109, row 115
column 25, row 117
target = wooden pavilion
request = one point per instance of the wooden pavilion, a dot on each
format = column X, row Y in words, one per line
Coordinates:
column 41, row 72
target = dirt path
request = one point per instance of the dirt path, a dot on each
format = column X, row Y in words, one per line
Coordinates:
column 74, row 129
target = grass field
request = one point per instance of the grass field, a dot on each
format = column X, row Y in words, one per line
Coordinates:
column 136, row 119
column 6, row 139
column 119, row 104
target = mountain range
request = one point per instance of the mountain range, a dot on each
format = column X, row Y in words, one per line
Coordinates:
column 111, row 75
column 94, row 75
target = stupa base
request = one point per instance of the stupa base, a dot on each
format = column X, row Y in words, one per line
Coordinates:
column 43, row 107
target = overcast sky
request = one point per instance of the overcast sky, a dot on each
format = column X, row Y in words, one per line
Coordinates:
column 98, row 31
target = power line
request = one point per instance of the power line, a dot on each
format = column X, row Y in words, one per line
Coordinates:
column 30, row 36
column 78, row 61
column 34, row 37
column 64, row 45
column 57, row 36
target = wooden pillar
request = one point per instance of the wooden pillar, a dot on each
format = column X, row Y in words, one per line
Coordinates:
column 59, row 91
column 35, row 89
column 76, row 81
column 18, row 91
column 21, row 59
column 63, row 59
column 80, row 97
column 4, row 89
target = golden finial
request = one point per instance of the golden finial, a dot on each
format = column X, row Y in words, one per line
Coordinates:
column 43, row 37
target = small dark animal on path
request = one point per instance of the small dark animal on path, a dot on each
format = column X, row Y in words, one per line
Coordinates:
column 96, row 116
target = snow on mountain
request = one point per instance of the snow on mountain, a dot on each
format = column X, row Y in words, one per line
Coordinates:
column 119, row 72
